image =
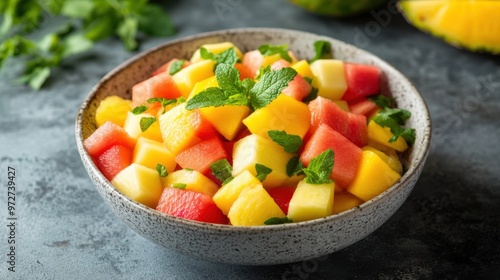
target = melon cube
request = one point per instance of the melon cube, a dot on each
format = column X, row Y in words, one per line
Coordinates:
column 139, row 183
column 311, row 201
column 228, row 193
column 189, row 76
column 303, row 69
column 381, row 135
column 113, row 109
column 329, row 78
column 392, row 159
column 190, row 180
column 133, row 127
column 216, row 48
column 253, row 207
column 150, row 153
column 344, row 201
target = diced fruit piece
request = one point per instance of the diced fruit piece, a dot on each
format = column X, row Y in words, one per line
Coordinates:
column 181, row 128
column 297, row 88
column 132, row 126
column 282, row 196
column 255, row 149
column 391, row 159
column 363, row 106
column 311, row 201
column 216, row 48
column 373, row 177
column 294, row 180
column 140, row 184
column 342, row 104
column 105, row 136
column 228, row 193
column 166, row 67
column 161, row 85
column 381, row 135
column 189, row 76
column 150, row 153
column 303, row 69
column 329, row 78
column 114, row 160
column 253, row 60
column 193, row 181
column 344, row 201
column 201, row 155
column 114, row 109
column 253, row 207
column 190, row 205
column 283, row 113
column 347, row 156
column 356, row 129
column 362, row 80
column 244, row 71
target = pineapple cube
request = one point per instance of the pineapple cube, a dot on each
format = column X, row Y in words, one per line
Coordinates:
column 381, row 135
column 150, row 153
column 373, row 177
column 329, row 78
column 284, row 113
column 302, row 67
column 311, row 201
column 177, row 129
column 113, row 109
column 344, row 201
column 254, row 149
column 133, row 128
column 190, row 75
column 228, row 193
column 193, row 180
column 139, row 183
column 215, row 49
column 391, row 159
column 253, row 207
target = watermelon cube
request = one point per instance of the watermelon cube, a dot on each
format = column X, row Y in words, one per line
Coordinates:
column 201, row 155
column 106, row 136
column 114, row 160
column 282, row 196
column 363, row 106
column 297, row 88
column 166, row 67
column 362, row 80
column 161, row 85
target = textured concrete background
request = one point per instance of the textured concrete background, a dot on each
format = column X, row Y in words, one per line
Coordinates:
column 447, row 229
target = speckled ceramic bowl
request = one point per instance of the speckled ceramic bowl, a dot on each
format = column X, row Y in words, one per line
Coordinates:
column 263, row 245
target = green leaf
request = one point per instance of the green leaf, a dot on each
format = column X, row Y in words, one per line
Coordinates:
column 262, row 171
column 146, row 122
column 382, row 101
column 263, row 70
column 140, row 109
column 181, row 186
column 76, row 43
column 282, row 50
column 176, row 66
column 323, row 50
column 248, row 84
column 270, row 86
column 154, row 21
column 127, row 31
column 35, row 77
column 100, row 28
column 294, row 166
column 226, row 57
column 77, row 8
column 162, row 170
column 228, row 79
column 221, row 169
column 163, row 101
column 277, row 221
column 212, row 96
column 320, row 168
column 313, row 94
column 291, row 143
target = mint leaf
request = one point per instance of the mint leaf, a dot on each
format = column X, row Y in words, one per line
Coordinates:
column 394, row 119
column 263, row 70
column 314, row 91
column 163, row 101
column 247, row 84
column 176, row 66
column 320, row 168
column 277, row 221
column 228, row 79
column 270, row 86
column 294, row 166
column 322, row 49
column 291, row 143
column 221, row 169
column 267, row 50
column 181, row 186
column 382, row 101
column 140, row 109
column 162, row 170
column 36, row 77
column 226, row 57
column 212, row 96
column 146, row 122
column 127, row 31
column 262, row 171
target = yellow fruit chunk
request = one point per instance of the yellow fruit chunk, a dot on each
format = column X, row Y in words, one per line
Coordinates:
column 311, row 201
column 342, row 104
column 303, row 69
column 193, row 181
column 284, row 113
column 374, row 176
column 381, row 135
column 177, row 129
column 216, row 48
column 391, row 159
column 228, row 193
column 190, row 75
column 344, row 201
column 227, row 120
column 150, row 153
column 329, row 78
column 253, row 207
column 113, row 109
column 255, row 149
column 133, row 127
column 140, row 184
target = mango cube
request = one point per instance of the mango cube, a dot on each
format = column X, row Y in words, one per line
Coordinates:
column 283, row 113
column 253, row 207
column 113, row 109
column 330, row 78
column 190, row 75
column 303, row 69
column 150, row 153
column 344, row 201
column 216, row 48
column 140, row 184
column 373, row 177
column 193, row 181
column 381, row 135
column 255, row 149
column 177, row 129
column 228, row 193
column 391, row 159
column 311, row 201
column 133, row 128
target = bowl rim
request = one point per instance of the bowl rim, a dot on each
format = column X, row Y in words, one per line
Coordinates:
column 419, row 156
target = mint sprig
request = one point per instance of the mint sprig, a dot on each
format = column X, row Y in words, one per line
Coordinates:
column 290, row 143
column 262, row 171
column 320, row 168
column 227, row 57
column 294, row 167
column 382, row 101
column 277, row 221
column 146, row 122
column 222, row 170
column 176, row 66
column 162, row 170
column 394, row 119
column 270, row 86
column 140, row 109
column 322, row 49
column 282, row 50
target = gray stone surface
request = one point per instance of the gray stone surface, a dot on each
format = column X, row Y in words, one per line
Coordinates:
column 447, row 229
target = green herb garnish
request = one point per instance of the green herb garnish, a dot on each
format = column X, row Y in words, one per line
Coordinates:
column 291, row 143
column 181, row 186
column 140, row 109
column 382, row 101
column 294, row 167
column 278, row 221
column 262, row 171
column 270, row 86
column 314, row 91
column 320, row 168
column 222, row 170
column 162, row 170
column 146, row 122
column 267, row 50
column 323, row 50
column 228, row 56
column 176, row 66
column 394, row 119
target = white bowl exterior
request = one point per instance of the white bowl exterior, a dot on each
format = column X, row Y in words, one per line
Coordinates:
column 267, row 244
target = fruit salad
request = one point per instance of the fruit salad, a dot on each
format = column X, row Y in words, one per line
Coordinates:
column 252, row 138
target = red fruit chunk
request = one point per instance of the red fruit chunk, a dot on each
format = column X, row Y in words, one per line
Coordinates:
column 190, row 205
column 106, row 136
column 244, row 71
column 282, row 196
column 362, row 80
column 253, row 60
column 201, row 155
column 161, row 85
column 166, row 67
column 114, row 160
column 363, row 106
column 203, row 129
column 347, row 155
column 357, row 132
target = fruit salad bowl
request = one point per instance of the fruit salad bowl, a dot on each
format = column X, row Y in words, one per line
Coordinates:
column 256, row 245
